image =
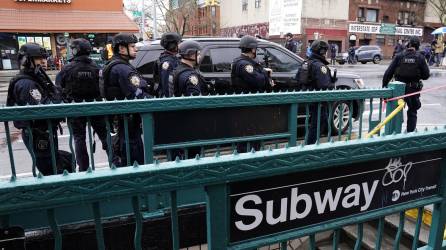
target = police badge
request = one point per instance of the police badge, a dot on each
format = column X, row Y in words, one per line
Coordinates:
column 35, row 94
column 324, row 70
column 193, row 79
column 249, row 68
column 135, row 81
column 165, row 65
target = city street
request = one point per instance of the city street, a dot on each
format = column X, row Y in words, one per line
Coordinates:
column 430, row 115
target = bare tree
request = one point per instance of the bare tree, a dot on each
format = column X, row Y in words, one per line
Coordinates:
column 177, row 17
column 440, row 9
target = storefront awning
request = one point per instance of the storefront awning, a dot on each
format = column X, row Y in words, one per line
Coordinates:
column 38, row 21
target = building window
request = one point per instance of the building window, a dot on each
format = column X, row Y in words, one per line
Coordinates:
column 361, row 14
column 406, row 18
column 380, row 40
column 213, row 11
column 257, row 4
column 244, row 5
column 385, row 19
column 372, row 15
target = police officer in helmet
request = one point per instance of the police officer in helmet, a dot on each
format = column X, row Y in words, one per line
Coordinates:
column 409, row 67
column 316, row 75
column 290, row 43
column 79, row 81
column 32, row 86
column 166, row 63
column 122, row 80
column 187, row 80
column 247, row 75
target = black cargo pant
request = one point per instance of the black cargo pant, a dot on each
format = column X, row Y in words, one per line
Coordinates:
column 79, row 133
column 136, row 144
column 413, row 104
column 312, row 133
column 41, row 148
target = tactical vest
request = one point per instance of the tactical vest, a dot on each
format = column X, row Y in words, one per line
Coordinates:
column 304, row 78
column 107, row 89
column 82, row 81
column 408, row 70
column 11, row 100
column 174, row 86
column 238, row 84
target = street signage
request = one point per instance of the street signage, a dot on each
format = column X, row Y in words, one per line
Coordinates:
column 261, row 207
column 285, row 16
column 136, row 13
column 91, row 36
column 46, row 1
column 364, row 28
column 388, row 29
column 406, row 31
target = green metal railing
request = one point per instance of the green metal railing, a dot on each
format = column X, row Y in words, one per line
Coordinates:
column 134, row 191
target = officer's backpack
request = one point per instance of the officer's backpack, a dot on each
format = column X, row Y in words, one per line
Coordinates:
column 82, row 81
column 11, row 100
column 303, row 76
column 408, row 70
column 107, row 91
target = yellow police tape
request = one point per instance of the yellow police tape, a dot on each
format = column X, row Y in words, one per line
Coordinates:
column 426, row 217
column 401, row 104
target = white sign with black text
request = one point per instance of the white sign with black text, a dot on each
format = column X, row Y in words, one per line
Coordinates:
column 285, row 16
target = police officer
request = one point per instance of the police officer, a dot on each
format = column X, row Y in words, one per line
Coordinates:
column 122, row 80
column 316, row 75
column 247, row 75
column 32, row 86
column 187, row 80
column 290, row 43
column 166, row 63
column 409, row 67
column 79, row 81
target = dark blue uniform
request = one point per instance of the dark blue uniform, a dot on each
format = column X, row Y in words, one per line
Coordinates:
column 122, row 80
column 409, row 67
column 188, row 81
column 33, row 89
column 80, row 82
column 165, row 65
column 291, row 45
column 319, row 79
column 247, row 75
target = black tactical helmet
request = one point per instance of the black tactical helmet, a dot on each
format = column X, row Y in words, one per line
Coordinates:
column 289, row 34
column 319, row 47
column 123, row 39
column 170, row 38
column 414, row 42
column 30, row 50
column 80, row 47
column 248, row 42
column 189, row 47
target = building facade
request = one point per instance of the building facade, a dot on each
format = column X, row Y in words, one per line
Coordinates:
column 52, row 24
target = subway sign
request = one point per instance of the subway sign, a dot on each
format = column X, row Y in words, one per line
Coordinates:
column 276, row 204
column 45, row 1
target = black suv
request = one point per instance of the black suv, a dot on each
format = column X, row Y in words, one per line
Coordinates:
column 218, row 54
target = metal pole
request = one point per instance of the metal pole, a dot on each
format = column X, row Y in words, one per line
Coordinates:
column 155, row 30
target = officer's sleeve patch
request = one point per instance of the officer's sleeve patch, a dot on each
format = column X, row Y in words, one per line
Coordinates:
column 165, row 65
column 193, row 79
column 135, row 80
column 249, row 68
column 35, row 94
column 324, row 70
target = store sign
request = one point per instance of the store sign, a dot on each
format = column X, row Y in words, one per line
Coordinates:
column 352, row 38
column 266, row 206
column 285, row 16
column 388, row 29
column 364, row 28
column 46, row 1
column 405, row 31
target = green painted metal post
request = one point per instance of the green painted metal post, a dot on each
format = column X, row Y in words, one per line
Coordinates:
column 438, row 215
column 292, row 125
column 217, row 216
column 395, row 125
column 148, row 133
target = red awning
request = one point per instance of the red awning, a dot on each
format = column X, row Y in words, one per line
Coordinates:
column 38, row 21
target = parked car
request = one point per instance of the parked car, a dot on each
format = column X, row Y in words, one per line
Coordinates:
column 342, row 58
column 218, row 54
column 369, row 53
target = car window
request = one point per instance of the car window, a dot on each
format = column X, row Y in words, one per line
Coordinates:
column 145, row 66
column 219, row 59
column 278, row 61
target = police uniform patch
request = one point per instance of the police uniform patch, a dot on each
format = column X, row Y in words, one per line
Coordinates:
column 249, row 68
column 323, row 70
column 165, row 65
column 135, row 80
column 35, row 94
column 193, row 79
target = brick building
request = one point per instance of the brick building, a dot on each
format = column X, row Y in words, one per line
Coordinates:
column 382, row 23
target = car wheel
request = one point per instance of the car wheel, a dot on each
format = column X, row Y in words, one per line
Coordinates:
column 341, row 63
column 343, row 106
column 376, row 59
column 363, row 62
